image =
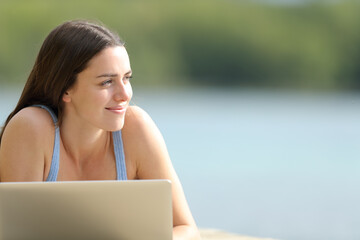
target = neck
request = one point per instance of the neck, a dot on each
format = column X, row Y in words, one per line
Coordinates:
column 84, row 143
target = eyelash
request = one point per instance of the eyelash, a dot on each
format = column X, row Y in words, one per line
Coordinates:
column 109, row 81
column 128, row 77
column 106, row 82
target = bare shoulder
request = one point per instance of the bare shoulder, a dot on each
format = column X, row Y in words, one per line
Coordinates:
column 30, row 122
column 140, row 126
column 26, row 139
column 140, row 133
column 145, row 144
column 137, row 119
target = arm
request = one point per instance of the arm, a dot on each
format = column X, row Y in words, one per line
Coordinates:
column 153, row 162
column 22, row 154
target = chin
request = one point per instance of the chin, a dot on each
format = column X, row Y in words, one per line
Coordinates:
column 115, row 127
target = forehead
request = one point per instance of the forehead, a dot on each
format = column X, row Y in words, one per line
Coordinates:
column 110, row 60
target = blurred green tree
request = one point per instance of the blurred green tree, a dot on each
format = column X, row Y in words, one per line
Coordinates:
column 211, row 42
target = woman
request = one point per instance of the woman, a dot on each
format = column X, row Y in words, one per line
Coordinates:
column 78, row 93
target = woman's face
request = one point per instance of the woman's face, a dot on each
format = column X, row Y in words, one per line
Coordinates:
column 102, row 92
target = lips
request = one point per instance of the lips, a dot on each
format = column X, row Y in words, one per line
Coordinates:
column 117, row 109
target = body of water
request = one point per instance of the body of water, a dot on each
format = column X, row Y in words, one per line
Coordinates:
column 274, row 164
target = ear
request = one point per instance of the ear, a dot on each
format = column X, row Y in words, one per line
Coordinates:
column 66, row 97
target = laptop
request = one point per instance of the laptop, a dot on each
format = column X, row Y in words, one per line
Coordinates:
column 106, row 210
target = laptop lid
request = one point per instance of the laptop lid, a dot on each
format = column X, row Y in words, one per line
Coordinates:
column 125, row 210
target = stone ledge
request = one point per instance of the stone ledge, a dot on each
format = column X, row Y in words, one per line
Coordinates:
column 214, row 234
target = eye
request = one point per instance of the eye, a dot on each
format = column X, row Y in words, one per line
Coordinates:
column 127, row 78
column 106, row 82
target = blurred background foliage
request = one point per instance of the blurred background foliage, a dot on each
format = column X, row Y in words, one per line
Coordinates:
column 309, row 45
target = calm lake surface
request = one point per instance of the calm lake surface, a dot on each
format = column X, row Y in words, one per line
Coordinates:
column 274, row 164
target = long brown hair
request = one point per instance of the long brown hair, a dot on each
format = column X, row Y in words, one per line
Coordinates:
column 64, row 54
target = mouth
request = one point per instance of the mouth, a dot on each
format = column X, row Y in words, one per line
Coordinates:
column 117, row 109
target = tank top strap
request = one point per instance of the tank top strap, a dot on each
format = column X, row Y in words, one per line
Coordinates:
column 119, row 156
column 54, row 168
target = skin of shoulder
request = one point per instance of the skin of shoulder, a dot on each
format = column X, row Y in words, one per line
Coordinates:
column 144, row 142
column 26, row 144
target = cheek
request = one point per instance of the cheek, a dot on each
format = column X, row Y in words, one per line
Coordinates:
column 102, row 96
column 93, row 99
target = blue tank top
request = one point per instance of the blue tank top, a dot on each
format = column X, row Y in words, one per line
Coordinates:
column 55, row 161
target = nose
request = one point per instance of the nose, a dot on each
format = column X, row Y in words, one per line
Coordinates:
column 122, row 92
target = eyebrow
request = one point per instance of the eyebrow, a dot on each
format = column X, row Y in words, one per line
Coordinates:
column 112, row 74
